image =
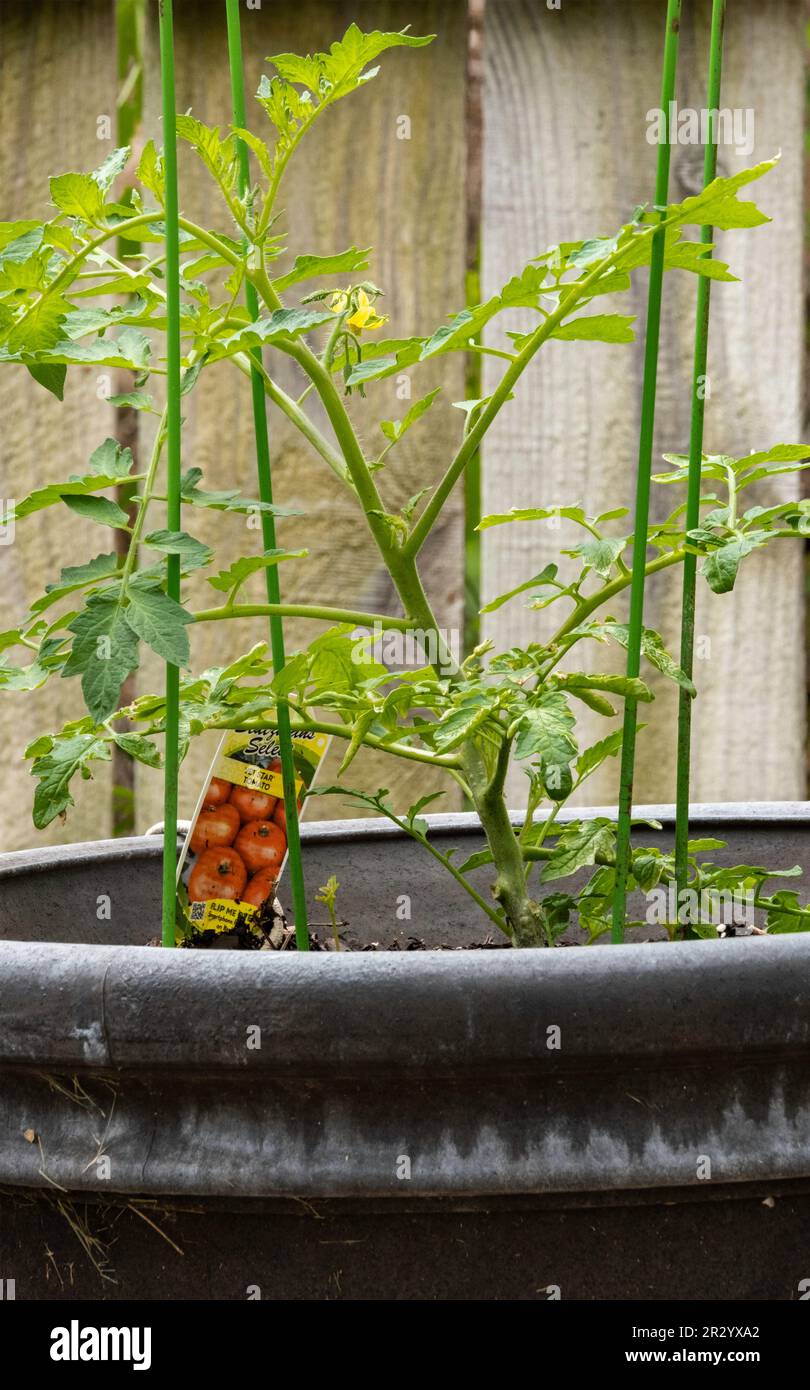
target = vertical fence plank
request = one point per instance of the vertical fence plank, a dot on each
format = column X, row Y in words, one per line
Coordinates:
column 566, row 97
column 356, row 182
column 57, row 80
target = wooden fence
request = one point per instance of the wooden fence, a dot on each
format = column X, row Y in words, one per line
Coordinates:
column 565, row 96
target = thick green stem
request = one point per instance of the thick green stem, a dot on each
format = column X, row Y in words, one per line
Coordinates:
column 303, row 610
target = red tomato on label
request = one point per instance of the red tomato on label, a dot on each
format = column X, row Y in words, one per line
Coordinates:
column 252, row 805
column 261, row 887
column 218, row 873
column 262, row 845
column 218, row 826
column 217, row 793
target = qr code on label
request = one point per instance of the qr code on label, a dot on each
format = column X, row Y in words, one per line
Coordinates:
column 197, row 912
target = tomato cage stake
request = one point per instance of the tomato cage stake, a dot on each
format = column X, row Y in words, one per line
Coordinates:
column 266, row 497
column 645, row 444
column 695, row 458
column 171, row 759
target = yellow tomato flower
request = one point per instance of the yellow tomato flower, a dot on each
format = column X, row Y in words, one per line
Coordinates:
column 364, row 315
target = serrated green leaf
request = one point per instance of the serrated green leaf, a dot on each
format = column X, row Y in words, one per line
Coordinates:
column 130, row 349
column 575, row 849
column 234, row 577
column 143, row 749
column 193, row 553
column 721, row 565
column 592, row 758
column 99, row 509
column 160, row 621
column 108, row 171
column 104, row 651
column 55, row 769
column 226, row 501
column 546, row 576
column 78, row 195
column 395, row 429
column 74, row 577
column 281, row 324
column 308, row 267
column 600, row 554
column 545, row 731
column 150, row 170
column 601, row 328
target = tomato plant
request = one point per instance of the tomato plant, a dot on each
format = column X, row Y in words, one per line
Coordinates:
column 66, row 300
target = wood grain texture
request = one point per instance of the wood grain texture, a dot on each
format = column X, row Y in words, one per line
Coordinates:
column 353, row 183
column 566, row 98
column 57, row 76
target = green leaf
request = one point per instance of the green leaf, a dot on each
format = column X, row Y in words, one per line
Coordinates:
column 78, row 195
column 546, row 576
column 652, row 647
column 55, row 769
column 329, row 76
column 143, row 749
column 136, row 400
column 110, row 460
column 218, row 155
column 130, row 349
column 108, row 171
column 104, row 652
column 718, row 204
column 786, row 914
column 394, row 429
column 307, row 267
column 160, row 621
column 99, row 509
column 52, row 377
column 226, row 501
column 457, row 725
column 234, row 577
column 531, row 514
column 626, row 686
column 601, row 328
column 577, row 848
column 150, row 170
column 720, row 567
column 592, row 758
column 600, row 554
column 281, row 324
column 545, row 731
column 193, row 553
column 75, row 577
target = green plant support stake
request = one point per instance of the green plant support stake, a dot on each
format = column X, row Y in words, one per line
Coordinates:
column 268, row 520
column 171, row 760
column 645, row 444
column 695, row 457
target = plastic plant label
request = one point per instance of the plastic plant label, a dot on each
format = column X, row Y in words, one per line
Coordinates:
column 236, row 847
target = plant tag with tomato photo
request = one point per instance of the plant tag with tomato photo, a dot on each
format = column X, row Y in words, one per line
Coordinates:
column 236, row 847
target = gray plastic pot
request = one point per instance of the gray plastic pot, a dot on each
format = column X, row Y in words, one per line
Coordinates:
column 595, row 1123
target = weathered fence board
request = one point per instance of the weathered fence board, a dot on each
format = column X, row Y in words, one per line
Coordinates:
column 565, row 103
column 357, row 183
column 57, row 78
